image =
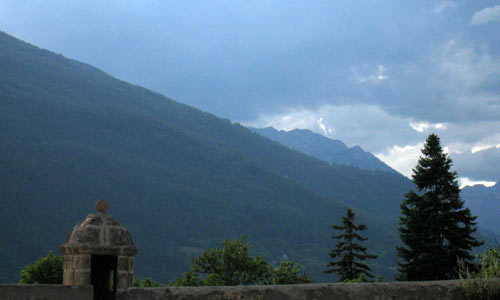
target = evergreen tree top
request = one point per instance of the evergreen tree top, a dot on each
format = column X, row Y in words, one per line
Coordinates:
column 349, row 228
column 433, row 171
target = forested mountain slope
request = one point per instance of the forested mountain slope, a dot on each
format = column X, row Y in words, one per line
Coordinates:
column 179, row 179
column 484, row 202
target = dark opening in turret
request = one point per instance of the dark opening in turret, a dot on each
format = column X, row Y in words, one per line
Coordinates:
column 103, row 276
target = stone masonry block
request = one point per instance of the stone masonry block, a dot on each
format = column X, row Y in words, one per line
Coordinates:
column 123, row 264
column 82, row 277
column 82, row 262
column 131, row 263
column 69, row 277
column 124, row 280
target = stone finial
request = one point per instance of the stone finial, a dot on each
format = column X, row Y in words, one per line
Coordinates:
column 101, row 206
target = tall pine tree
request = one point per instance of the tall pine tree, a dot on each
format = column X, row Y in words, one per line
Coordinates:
column 435, row 227
column 348, row 256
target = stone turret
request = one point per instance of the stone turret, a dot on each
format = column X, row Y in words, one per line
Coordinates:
column 99, row 251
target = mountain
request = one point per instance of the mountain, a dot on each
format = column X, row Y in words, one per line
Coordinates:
column 181, row 180
column 323, row 148
column 484, row 202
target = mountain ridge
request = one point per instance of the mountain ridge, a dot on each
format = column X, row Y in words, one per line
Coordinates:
column 484, row 202
column 323, row 148
column 176, row 177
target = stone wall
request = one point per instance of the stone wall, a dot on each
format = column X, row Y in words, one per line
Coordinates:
column 431, row 290
column 45, row 292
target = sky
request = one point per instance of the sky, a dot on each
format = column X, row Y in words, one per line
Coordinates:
column 379, row 74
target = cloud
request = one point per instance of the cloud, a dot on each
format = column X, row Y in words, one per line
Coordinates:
column 484, row 147
column 486, row 15
column 402, row 159
column 466, row 65
column 472, row 166
column 464, row 181
column 452, row 80
column 324, row 129
column 472, row 136
column 366, row 125
column 426, row 126
column 444, row 5
column 474, row 146
column 365, row 76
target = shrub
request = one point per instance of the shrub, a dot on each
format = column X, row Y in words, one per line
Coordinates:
column 45, row 270
column 360, row 279
column 147, row 282
column 483, row 284
column 232, row 264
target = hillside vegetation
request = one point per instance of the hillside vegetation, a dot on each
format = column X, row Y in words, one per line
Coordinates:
column 179, row 179
column 484, row 202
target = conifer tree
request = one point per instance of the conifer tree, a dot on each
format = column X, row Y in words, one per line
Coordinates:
column 435, row 227
column 348, row 256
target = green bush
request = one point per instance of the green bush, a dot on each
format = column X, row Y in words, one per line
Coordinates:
column 147, row 282
column 483, row 284
column 287, row 273
column 232, row 264
column 45, row 270
column 361, row 278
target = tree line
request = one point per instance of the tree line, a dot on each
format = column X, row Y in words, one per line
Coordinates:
column 436, row 230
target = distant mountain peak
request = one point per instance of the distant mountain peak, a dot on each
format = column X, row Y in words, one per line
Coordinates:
column 484, row 202
column 323, row 148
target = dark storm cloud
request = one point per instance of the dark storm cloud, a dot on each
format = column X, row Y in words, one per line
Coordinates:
column 227, row 56
column 406, row 62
